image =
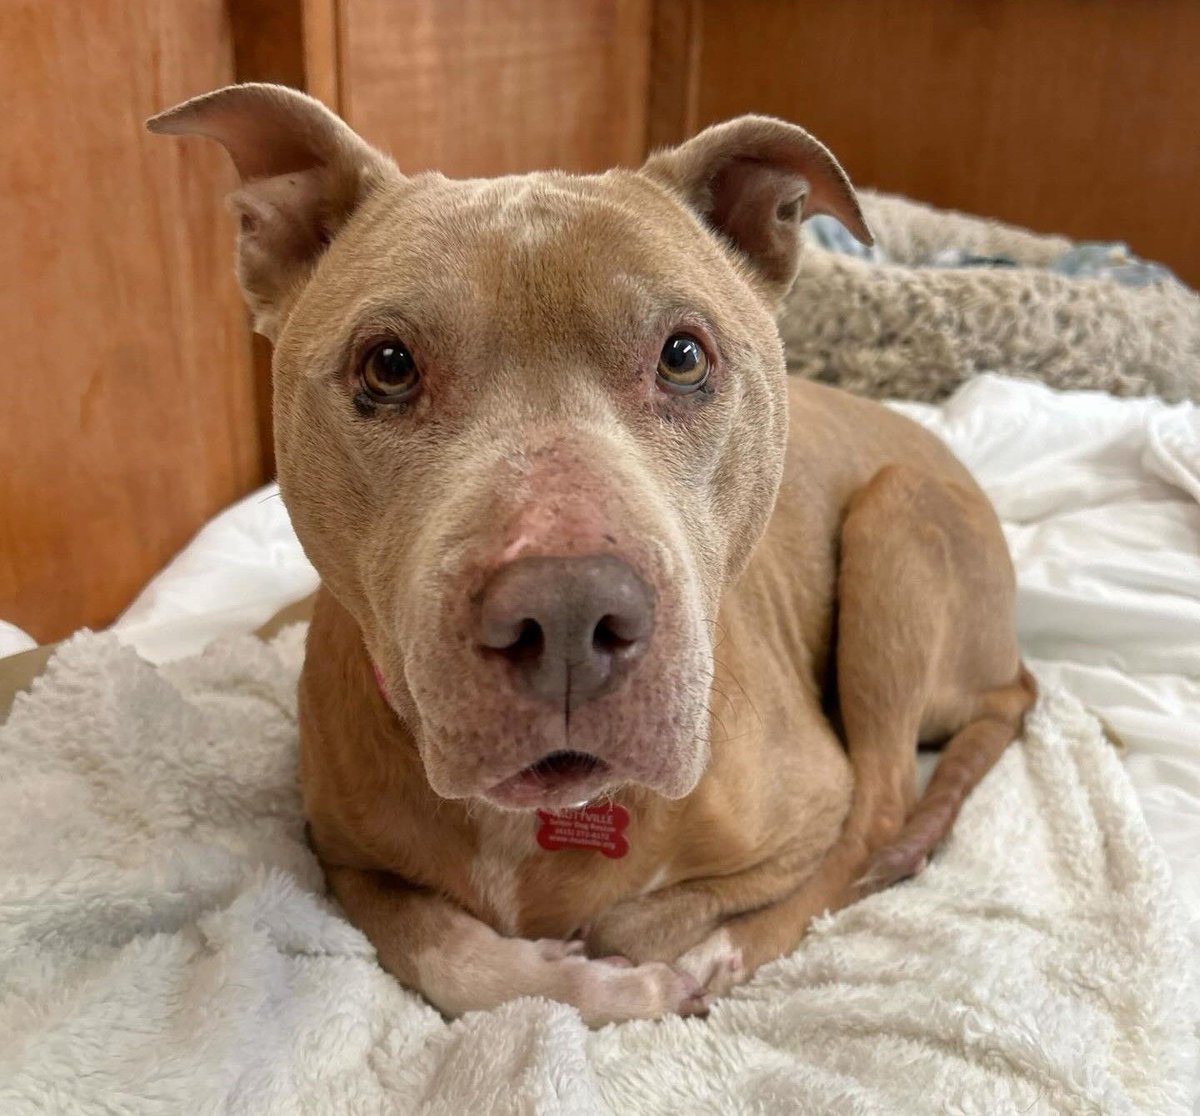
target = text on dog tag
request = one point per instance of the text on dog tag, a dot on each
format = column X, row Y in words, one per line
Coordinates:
column 600, row 827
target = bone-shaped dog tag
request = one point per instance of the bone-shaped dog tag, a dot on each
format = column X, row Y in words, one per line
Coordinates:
column 600, row 827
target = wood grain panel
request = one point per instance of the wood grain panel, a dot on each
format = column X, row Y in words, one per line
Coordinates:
column 268, row 41
column 321, row 62
column 1073, row 116
column 128, row 413
column 483, row 87
column 673, row 97
column 288, row 42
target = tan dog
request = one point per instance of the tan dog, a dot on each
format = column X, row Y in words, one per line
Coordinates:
column 581, row 540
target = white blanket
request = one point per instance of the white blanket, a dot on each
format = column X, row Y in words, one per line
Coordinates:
column 1100, row 501
column 181, row 971
column 165, row 947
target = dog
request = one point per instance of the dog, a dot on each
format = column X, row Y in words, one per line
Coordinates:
column 626, row 640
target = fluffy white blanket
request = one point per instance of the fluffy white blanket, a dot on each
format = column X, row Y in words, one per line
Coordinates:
column 165, row 946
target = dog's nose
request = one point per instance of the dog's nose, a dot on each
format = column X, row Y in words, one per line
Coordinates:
column 571, row 627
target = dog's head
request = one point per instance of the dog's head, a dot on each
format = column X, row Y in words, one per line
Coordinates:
column 527, row 428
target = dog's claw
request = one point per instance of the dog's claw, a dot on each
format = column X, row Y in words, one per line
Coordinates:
column 716, row 964
column 697, row 1000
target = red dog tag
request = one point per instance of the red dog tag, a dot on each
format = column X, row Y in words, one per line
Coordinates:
column 599, row 827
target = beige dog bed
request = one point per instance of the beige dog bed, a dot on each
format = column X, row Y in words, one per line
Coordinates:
column 893, row 324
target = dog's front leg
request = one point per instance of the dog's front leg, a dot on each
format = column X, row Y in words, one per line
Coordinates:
column 682, row 924
column 655, row 927
column 461, row 964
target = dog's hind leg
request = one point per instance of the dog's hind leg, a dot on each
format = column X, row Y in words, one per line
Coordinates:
column 966, row 758
column 925, row 650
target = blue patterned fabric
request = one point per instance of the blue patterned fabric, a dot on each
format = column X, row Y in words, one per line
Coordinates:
column 1085, row 260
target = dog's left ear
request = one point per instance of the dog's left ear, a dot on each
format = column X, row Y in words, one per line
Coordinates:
column 304, row 173
column 754, row 180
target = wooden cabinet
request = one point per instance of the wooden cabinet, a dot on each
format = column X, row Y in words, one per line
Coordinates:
column 480, row 87
column 1073, row 116
column 127, row 402
column 134, row 403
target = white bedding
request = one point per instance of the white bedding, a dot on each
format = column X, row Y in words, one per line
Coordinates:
column 1100, row 499
column 166, row 946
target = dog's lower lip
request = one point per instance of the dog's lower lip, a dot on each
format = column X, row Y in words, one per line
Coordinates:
column 553, row 780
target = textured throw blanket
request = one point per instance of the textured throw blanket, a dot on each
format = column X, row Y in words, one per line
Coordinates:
column 927, row 309
column 165, row 945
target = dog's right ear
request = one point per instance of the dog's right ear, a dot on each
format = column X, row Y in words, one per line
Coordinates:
column 753, row 180
column 303, row 173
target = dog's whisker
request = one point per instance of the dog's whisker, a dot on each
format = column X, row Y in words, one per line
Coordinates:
column 732, row 676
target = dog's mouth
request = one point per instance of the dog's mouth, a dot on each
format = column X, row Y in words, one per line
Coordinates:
column 557, row 780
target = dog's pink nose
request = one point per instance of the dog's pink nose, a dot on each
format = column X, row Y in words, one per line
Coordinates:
column 570, row 627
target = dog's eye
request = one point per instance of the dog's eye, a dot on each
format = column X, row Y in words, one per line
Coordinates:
column 389, row 373
column 682, row 364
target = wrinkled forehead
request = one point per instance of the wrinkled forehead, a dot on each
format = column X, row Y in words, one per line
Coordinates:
column 539, row 254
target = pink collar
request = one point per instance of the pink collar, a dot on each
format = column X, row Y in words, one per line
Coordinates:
column 380, row 682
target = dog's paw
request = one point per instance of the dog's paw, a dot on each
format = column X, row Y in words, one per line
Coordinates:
column 555, row 949
column 609, row 992
column 890, row 865
column 716, row 964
